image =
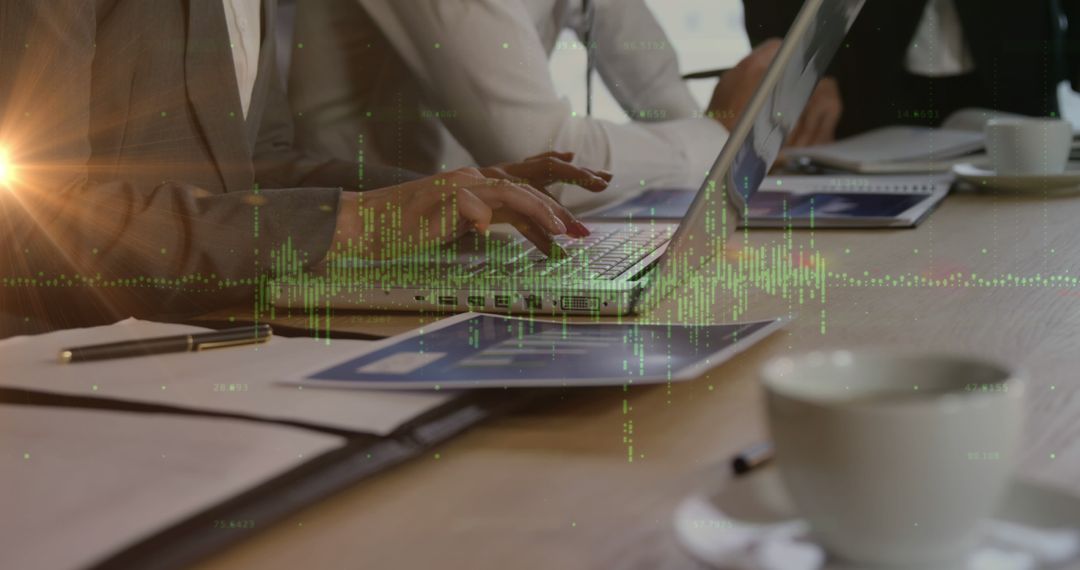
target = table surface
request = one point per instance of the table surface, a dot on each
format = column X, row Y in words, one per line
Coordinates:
column 592, row 481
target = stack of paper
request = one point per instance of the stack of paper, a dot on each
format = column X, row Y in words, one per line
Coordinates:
column 897, row 149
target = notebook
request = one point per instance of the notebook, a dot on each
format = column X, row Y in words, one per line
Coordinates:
column 881, row 201
column 905, row 149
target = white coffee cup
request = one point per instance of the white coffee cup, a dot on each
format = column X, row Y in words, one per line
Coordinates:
column 1028, row 146
column 894, row 459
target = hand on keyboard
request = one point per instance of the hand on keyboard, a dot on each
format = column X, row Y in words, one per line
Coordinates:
column 414, row 216
column 603, row 255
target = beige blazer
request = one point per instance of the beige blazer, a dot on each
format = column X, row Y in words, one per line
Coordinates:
column 139, row 186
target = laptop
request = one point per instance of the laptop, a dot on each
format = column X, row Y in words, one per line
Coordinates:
column 608, row 272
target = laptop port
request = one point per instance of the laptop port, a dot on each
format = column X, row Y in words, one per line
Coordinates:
column 448, row 300
column 419, row 298
column 534, row 302
column 476, row 301
column 502, row 301
column 580, row 303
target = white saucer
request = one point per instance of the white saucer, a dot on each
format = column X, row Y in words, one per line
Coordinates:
column 747, row 504
column 983, row 177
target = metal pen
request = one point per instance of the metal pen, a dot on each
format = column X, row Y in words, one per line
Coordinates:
column 751, row 458
column 167, row 344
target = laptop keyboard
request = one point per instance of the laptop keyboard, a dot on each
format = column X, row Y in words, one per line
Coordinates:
column 606, row 254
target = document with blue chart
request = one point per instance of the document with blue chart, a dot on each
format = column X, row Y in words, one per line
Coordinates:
column 845, row 201
column 487, row 351
column 804, row 201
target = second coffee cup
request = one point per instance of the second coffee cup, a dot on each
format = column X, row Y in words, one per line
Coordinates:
column 894, row 459
column 1028, row 146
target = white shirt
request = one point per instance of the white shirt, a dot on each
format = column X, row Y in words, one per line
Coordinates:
column 245, row 36
column 938, row 48
column 486, row 62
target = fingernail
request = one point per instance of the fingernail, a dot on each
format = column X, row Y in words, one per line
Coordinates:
column 580, row 229
column 558, row 227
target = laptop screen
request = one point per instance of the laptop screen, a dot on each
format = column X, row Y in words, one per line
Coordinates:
column 755, row 142
column 809, row 52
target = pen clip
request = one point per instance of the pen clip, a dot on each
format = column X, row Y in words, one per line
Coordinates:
column 227, row 343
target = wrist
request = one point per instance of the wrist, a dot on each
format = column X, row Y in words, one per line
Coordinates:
column 347, row 227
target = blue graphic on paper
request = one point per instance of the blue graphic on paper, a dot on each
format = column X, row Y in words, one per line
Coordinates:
column 487, row 347
column 774, row 204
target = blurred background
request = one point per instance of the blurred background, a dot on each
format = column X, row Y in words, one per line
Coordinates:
column 705, row 34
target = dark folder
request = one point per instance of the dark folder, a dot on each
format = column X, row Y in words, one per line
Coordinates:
column 364, row 455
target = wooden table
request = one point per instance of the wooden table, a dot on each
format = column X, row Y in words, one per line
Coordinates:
column 592, row 482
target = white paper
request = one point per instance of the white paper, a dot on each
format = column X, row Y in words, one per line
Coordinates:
column 78, row 485
column 896, row 144
column 239, row 380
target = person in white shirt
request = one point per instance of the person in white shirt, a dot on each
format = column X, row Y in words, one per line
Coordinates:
column 244, row 20
column 434, row 84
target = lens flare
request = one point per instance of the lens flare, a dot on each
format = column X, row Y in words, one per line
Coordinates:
column 5, row 169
